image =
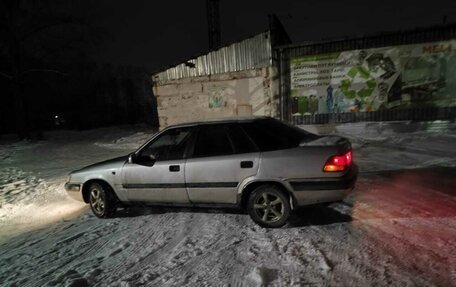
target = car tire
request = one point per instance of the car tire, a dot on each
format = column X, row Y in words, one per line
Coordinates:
column 101, row 200
column 268, row 206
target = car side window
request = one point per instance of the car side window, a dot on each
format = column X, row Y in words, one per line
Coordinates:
column 212, row 140
column 271, row 134
column 241, row 141
column 170, row 145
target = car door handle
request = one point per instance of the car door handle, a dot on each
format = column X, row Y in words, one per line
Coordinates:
column 246, row 164
column 174, row 168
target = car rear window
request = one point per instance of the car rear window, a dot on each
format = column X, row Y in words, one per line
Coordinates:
column 270, row 134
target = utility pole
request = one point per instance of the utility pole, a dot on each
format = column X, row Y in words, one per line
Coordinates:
column 213, row 23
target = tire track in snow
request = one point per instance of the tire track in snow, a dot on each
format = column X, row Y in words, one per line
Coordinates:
column 68, row 260
column 207, row 259
column 143, row 261
column 177, row 253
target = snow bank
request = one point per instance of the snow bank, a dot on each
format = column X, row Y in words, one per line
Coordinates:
column 378, row 145
column 127, row 143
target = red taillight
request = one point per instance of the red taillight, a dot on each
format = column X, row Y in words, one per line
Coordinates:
column 338, row 162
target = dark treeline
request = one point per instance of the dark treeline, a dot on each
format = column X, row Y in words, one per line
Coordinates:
column 88, row 95
column 50, row 76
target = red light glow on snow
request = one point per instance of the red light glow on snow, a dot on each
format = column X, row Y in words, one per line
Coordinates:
column 406, row 217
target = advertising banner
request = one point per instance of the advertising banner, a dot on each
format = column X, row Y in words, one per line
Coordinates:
column 408, row 76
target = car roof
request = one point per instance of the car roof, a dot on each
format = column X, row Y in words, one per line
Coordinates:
column 221, row 121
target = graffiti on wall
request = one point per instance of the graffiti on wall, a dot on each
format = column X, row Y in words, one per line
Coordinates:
column 405, row 76
column 216, row 99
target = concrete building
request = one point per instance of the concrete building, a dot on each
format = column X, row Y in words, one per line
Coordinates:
column 240, row 79
column 219, row 85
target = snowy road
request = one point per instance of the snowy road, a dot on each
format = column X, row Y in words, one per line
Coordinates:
column 397, row 229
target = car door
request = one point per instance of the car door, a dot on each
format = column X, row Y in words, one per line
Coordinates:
column 157, row 171
column 222, row 157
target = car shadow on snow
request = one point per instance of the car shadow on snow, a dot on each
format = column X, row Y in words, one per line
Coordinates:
column 304, row 216
column 135, row 211
column 319, row 214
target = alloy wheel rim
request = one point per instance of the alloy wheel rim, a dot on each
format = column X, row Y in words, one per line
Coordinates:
column 269, row 207
column 97, row 201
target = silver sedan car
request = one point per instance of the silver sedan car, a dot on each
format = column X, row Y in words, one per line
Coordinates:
column 262, row 165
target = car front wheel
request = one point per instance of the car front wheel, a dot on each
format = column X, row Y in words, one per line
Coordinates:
column 268, row 206
column 101, row 201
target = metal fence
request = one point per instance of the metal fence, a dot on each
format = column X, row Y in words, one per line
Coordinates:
column 433, row 34
column 419, row 114
column 285, row 53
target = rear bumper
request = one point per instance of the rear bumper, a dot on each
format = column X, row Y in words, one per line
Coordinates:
column 74, row 191
column 318, row 190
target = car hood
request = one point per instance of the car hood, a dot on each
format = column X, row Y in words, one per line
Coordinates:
column 113, row 163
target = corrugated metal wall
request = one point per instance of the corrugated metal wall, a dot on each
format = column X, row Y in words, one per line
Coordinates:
column 285, row 53
column 251, row 53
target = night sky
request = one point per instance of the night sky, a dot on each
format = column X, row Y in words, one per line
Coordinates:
column 156, row 34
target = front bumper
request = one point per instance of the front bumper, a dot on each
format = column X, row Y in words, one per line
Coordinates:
column 74, row 190
column 320, row 190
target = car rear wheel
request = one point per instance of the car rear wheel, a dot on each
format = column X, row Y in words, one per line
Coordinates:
column 268, row 206
column 101, row 201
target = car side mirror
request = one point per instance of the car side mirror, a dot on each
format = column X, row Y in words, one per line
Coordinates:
column 131, row 158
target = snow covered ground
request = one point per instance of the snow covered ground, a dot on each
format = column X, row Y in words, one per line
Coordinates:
column 398, row 228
